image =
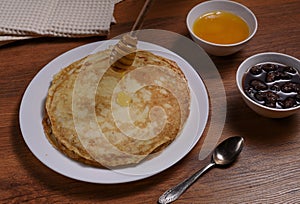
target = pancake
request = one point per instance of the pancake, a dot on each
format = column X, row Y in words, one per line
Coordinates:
column 104, row 118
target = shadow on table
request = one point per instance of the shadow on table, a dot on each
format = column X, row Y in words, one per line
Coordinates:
column 258, row 129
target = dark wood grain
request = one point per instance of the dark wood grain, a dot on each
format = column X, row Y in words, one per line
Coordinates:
column 267, row 171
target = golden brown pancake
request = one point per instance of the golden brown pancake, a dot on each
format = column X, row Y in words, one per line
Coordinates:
column 105, row 118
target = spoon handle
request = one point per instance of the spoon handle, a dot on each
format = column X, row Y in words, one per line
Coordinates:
column 174, row 193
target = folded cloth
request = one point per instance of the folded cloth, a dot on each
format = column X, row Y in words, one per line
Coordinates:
column 21, row 19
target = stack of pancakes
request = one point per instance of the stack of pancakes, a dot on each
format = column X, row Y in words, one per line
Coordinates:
column 105, row 118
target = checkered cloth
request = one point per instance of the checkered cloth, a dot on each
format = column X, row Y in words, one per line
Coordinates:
column 22, row 19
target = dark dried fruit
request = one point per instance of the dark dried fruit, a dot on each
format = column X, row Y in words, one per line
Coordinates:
column 297, row 97
column 269, row 67
column 256, row 70
column 275, row 75
column 260, row 96
column 272, row 76
column 270, row 104
column 271, row 96
column 284, row 76
column 289, row 69
column 275, row 87
column 288, row 102
column 271, row 101
column 297, row 88
column 289, row 87
column 258, row 85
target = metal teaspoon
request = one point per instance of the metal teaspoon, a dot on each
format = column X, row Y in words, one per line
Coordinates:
column 224, row 154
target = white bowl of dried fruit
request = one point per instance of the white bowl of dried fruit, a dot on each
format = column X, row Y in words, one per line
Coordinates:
column 270, row 84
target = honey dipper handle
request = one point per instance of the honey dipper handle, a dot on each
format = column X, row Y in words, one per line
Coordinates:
column 140, row 19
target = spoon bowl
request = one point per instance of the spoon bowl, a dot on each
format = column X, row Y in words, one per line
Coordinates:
column 227, row 151
column 223, row 155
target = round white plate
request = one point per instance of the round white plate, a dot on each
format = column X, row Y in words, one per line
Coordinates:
column 32, row 109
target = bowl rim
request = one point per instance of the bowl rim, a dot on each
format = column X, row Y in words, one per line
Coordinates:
column 217, row 44
column 240, row 88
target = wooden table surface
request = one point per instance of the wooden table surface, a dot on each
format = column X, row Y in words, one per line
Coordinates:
column 267, row 171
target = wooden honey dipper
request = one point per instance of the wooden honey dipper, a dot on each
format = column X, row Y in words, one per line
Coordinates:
column 123, row 53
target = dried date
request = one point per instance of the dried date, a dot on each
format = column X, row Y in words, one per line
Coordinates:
column 289, row 69
column 256, row 70
column 288, row 102
column 269, row 67
column 258, row 85
column 290, row 87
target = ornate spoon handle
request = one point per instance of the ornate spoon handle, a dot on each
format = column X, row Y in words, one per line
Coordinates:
column 174, row 193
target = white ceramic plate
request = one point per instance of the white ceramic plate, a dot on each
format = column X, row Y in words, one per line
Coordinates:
column 31, row 114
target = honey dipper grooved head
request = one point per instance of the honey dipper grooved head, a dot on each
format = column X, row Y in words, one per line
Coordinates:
column 123, row 53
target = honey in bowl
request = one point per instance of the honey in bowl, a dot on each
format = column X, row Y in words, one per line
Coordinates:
column 221, row 27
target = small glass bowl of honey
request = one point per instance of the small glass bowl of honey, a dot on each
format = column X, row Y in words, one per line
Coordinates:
column 221, row 27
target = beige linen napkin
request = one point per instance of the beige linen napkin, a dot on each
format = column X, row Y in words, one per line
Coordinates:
column 22, row 19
